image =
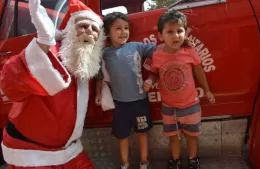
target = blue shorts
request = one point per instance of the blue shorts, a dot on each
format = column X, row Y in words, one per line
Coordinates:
column 128, row 115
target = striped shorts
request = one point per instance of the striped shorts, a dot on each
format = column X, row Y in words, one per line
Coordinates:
column 186, row 120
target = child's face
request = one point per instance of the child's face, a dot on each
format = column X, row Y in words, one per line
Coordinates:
column 173, row 36
column 119, row 32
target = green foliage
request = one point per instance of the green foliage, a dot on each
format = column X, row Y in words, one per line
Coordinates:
column 155, row 4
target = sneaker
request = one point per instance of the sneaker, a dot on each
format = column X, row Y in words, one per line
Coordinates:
column 145, row 166
column 174, row 164
column 126, row 166
column 194, row 163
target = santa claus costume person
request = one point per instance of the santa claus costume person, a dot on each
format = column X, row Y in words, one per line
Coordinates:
column 49, row 88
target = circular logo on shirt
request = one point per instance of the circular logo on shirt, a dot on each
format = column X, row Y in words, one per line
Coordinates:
column 172, row 76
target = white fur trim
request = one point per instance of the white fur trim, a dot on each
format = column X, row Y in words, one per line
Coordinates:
column 33, row 158
column 59, row 35
column 82, row 105
column 88, row 14
column 43, row 71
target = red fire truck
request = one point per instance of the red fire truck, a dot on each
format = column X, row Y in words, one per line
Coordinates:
column 226, row 34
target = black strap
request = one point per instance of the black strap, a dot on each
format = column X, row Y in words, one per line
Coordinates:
column 13, row 132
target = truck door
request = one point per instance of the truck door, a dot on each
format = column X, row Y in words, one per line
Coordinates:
column 254, row 140
column 16, row 31
column 226, row 38
column 1, row 7
column 256, row 7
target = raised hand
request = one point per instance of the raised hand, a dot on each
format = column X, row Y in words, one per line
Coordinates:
column 43, row 24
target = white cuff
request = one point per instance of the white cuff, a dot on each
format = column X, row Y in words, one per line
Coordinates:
column 49, row 42
column 37, row 158
column 43, row 71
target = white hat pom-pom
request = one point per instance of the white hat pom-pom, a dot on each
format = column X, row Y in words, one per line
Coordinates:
column 58, row 35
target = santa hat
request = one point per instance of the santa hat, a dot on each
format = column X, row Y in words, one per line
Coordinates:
column 77, row 9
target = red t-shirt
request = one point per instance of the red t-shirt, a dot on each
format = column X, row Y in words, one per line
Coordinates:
column 176, row 83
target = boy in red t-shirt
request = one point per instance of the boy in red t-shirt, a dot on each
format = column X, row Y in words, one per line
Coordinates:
column 174, row 64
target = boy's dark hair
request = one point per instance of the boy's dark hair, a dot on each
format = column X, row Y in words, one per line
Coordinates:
column 109, row 19
column 173, row 16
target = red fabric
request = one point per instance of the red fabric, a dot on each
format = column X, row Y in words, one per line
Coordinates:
column 16, row 80
column 37, row 115
column 82, row 161
column 74, row 6
column 176, row 83
column 4, row 110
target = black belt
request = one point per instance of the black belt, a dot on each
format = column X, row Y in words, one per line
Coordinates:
column 13, row 132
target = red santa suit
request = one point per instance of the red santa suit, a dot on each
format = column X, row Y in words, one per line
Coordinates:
column 48, row 114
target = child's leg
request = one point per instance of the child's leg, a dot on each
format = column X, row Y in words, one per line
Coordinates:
column 175, row 147
column 124, row 147
column 142, row 124
column 190, row 119
column 171, row 129
column 192, row 145
column 121, row 128
column 143, row 144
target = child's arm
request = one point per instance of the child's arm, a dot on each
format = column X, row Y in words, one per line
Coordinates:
column 152, row 79
column 98, row 91
column 201, row 78
column 146, row 49
column 98, row 85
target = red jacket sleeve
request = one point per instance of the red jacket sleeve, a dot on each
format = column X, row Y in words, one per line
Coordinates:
column 33, row 72
column 16, row 82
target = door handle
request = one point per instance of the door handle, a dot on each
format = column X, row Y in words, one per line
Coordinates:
column 5, row 53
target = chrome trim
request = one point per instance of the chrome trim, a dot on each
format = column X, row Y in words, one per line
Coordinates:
column 197, row 4
column 202, row 118
column 5, row 53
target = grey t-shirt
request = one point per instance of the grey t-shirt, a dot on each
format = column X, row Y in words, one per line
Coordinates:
column 124, row 65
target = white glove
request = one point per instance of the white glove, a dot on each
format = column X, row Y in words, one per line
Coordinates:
column 43, row 24
column 107, row 102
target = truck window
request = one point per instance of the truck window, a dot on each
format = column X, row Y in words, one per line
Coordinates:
column 156, row 4
column 55, row 9
column 134, row 6
column 124, row 6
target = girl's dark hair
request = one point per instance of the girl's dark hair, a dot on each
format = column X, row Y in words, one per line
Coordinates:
column 177, row 17
column 109, row 19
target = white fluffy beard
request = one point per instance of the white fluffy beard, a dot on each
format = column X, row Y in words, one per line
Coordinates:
column 81, row 59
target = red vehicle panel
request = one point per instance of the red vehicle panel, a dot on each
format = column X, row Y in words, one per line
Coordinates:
column 228, row 45
column 1, row 6
column 256, row 7
column 254, row 140
column 225, row 39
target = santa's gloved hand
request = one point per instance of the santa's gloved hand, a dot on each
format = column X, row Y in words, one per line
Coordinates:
column 43, row 24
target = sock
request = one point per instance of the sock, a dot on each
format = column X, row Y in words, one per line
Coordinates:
column 193, row 158
column 144, row 162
